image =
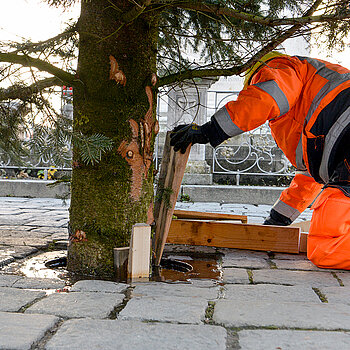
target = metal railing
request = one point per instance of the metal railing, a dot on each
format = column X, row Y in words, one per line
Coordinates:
column 253, row 153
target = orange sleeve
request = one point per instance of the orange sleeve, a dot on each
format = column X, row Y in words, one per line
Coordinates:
column 273, row 91
column 298, row 196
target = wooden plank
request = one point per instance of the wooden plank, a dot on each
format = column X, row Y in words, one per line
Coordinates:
column 162, row 175
column 174, row 170
column 187, row 214
column 304, row 225
column 140, row 251
column 121, row 256
column 235, row 235
column 303, row 242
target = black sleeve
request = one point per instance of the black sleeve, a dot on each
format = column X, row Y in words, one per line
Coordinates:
column 278, row 219
column 214, row 133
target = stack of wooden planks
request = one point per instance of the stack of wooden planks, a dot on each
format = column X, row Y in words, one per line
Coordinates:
column 211, row 229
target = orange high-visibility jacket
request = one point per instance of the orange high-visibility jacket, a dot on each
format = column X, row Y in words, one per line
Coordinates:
column 307, row 104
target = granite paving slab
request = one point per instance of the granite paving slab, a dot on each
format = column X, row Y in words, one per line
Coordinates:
column 99, row 286
column 38, row 283
column 200, row 206
column 304, row 265
column 31, row 216
column 5, row 259
column 284, row 256
column 42, row 203
column 248, row 263
column 293, row 339
column 53, row 215
column 34, row 210
column 59, row 236
column 44, row 223
column 183, row 249
column 55, row 211
column 165, row 309
column 23, row 233
column 322, row 316
column 29, row 241
column 16, row 228
column 20, row 331
column 13, row 199
column 204, row 283
column 237, row 206
column 344, row 277
column 51, row 230
column 286, row 277
column 111, row 335
column 8, row 280
column 12, row 299
column 339, row 295
column 177, row 290
column 242, row 254
column 78, row 304
column 9, row 211
column 269, row 292
column 255, row 219
column 20, row 252
column 235, row 275
column 12, row 220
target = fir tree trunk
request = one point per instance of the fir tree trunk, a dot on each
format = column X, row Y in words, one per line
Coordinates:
column 117, row 65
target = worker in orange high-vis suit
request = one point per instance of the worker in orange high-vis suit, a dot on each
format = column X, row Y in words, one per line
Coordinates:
column 307, row 104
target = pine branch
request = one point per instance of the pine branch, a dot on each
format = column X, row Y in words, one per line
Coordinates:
column 24, row 93
column 41, row 65
column 41, row 45
column 218, row 10
column 236, row 70
column 131, row 15
column 58, row 3
column 92, row 147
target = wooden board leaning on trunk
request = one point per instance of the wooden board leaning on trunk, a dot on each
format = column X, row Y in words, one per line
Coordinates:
column 235, row 235
column 170, row 179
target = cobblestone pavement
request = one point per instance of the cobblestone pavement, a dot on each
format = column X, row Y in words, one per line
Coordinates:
column 255, row 301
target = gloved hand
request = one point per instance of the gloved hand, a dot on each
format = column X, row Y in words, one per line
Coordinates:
column 275, row 218
column 184, row 135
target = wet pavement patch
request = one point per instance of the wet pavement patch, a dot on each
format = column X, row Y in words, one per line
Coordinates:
column 173, row 268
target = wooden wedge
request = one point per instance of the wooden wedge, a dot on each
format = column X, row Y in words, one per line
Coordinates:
column 140, row 252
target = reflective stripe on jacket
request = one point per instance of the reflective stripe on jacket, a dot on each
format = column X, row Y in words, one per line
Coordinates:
column 298, row 196
column 307, row 104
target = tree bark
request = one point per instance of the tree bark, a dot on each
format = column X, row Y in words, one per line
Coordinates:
column 117, row 65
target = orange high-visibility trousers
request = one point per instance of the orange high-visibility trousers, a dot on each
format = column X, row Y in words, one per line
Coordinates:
column 328, row 244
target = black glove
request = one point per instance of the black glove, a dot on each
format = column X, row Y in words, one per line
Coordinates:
column 184, row 135
column 277, row 219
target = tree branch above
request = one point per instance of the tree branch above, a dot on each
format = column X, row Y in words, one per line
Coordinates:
column 41, row 65
column 219, row 10
column 239, row 69
column 24, row 92
column 31, row 47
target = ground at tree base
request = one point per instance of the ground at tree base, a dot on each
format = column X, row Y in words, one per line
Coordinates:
column 259, row 301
